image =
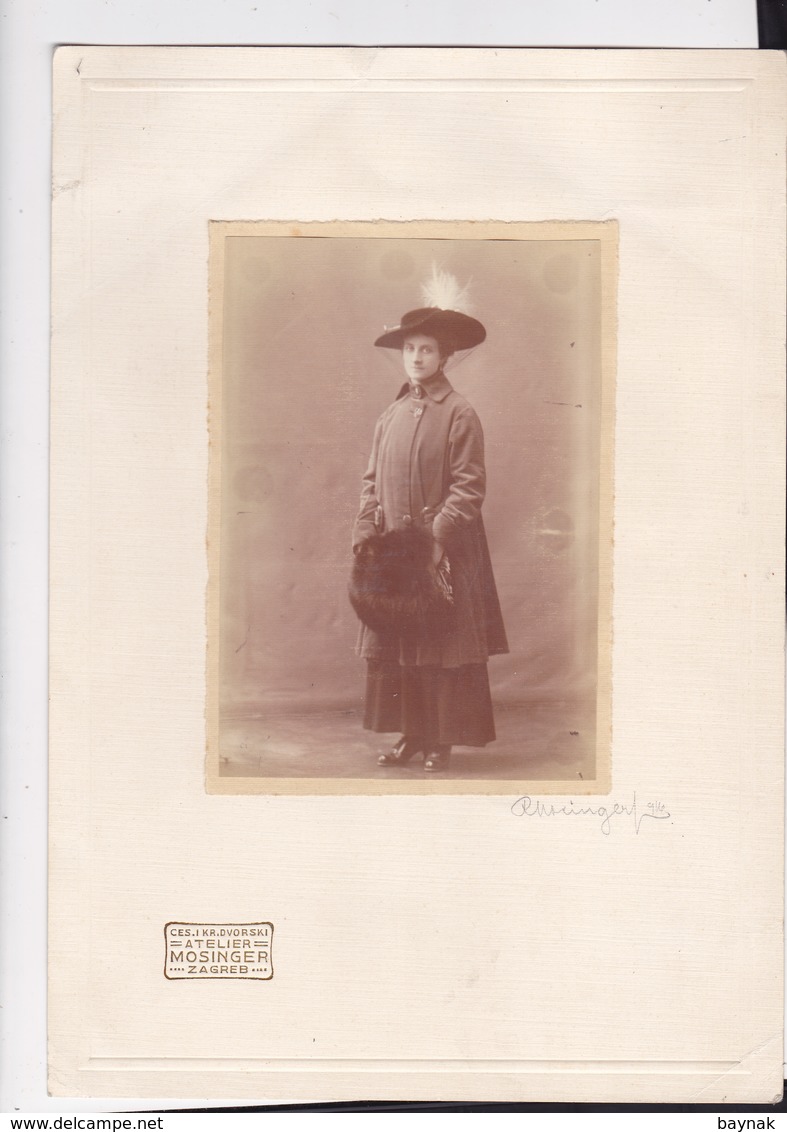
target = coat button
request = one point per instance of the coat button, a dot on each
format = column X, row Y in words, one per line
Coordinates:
column 407, row 520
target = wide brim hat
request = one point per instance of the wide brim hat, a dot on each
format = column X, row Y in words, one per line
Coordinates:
column 453, row 328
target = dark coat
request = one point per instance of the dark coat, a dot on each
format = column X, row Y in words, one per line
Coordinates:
column 427, row 469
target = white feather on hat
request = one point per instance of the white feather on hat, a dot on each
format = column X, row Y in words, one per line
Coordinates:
column 446, row 315
column 442, row 290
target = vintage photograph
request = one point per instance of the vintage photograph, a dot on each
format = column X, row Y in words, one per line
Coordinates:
column 410, row 502
column 333, row 650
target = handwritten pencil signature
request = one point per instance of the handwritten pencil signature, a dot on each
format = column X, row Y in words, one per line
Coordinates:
column 527, row 807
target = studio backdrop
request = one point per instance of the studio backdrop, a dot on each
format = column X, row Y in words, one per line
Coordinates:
column 301, row 386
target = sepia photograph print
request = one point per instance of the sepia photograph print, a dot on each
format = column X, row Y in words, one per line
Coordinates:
column 410, row 507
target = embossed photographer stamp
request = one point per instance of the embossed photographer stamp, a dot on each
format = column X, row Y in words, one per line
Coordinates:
column 218, row 951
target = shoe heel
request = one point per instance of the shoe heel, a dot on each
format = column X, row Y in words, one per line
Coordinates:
column 401, row 754
column 438, row 759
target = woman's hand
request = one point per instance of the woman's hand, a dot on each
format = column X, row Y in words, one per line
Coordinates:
column 438, row 550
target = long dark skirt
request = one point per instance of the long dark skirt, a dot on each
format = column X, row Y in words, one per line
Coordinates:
column 451, row 706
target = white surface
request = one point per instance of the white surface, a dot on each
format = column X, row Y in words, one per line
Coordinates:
column 150, row 145
column 29, row 30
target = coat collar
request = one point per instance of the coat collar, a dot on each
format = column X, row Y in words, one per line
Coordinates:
column 437, row 389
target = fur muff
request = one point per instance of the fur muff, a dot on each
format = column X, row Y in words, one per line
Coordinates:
column 393, row 588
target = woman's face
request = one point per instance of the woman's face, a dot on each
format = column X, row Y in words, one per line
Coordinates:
column 421, row 356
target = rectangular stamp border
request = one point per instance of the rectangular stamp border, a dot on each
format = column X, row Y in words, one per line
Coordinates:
column 218, row 924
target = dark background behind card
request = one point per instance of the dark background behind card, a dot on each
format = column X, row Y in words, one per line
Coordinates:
column 772, row 23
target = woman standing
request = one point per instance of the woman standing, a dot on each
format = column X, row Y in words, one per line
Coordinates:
column 426, row 472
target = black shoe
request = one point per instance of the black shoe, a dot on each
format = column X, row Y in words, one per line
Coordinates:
column 401, row 754
column 438, row 759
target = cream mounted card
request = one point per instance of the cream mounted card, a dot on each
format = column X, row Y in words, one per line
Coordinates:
column 585, row 907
